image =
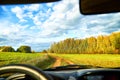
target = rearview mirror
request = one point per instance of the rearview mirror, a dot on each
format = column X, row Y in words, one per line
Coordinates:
column 99, row 6
column 6, row 2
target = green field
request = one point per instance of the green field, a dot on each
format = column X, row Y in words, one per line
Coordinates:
column 44, row 61
column 36, row 59
column 101, row 60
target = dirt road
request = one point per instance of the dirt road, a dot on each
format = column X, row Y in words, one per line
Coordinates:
column 59, row 61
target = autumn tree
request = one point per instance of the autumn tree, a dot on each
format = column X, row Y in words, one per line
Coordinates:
column 101, row 44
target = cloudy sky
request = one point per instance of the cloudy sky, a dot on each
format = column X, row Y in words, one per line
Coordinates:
column 39, row 25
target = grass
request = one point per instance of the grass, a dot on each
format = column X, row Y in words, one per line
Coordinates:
column 47, row 63
column 35, row 59
column 102, row 60
column 43, row 61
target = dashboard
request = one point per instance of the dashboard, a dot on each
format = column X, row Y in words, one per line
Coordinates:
column 86, row 74
column 27, row 72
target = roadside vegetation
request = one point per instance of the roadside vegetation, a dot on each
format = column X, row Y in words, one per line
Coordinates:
column 40, row 60
column 44, row 61
column 101, row 60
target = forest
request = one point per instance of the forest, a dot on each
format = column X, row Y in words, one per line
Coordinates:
column 102, row 44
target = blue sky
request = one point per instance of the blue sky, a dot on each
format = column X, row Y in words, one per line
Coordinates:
column 39, row 25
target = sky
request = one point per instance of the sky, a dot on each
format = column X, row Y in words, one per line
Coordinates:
column 40, row 25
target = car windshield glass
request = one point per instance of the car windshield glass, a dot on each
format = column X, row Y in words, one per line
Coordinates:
column 57, row 34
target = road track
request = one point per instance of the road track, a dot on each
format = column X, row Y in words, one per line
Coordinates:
column 59, row 61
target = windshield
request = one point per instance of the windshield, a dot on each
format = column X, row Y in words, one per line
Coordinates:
column 56, row 34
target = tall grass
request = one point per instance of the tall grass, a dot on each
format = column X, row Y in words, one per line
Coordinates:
column 102, row 60
column 44, row 61
column 34, row 59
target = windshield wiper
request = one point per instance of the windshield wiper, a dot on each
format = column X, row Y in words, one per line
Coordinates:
column 71, row 67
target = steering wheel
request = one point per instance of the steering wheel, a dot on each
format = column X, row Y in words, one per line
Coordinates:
column 33, row 72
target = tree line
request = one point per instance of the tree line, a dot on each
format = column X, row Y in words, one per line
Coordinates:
column 23, row 49
column 101, row 44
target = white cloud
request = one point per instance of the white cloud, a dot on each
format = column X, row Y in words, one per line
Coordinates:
column 25, row 12
column 33, row 7
column 39, row 17
column 11, row 30
column 55, row 22
column 19, row 13
column 65, row 17
column 50, row 4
